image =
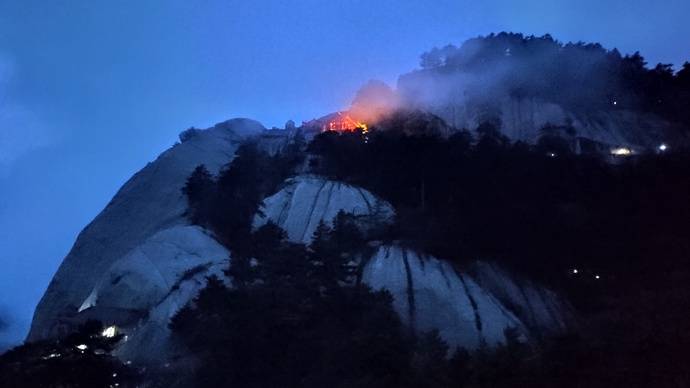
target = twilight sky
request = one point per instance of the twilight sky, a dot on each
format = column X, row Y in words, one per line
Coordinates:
column 92, row 90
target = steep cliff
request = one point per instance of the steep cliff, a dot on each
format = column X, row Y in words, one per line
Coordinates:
column 140, row 292
column 140, row 261
column 430, row 294
column 151, row 201
column 468, row 309
column 307, row 200
column 460, row 99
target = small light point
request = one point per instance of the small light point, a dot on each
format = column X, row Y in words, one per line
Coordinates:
column 109, row 332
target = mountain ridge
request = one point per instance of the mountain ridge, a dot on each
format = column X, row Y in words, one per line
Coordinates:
column 119, row 289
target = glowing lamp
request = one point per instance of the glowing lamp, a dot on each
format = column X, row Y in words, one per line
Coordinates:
column 621, row 151
column 109, row 332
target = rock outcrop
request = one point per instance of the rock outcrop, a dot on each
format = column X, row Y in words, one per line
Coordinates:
column 306, row 200
column 467, row 309
column 449, row 95
column 139, row 261
column 143, row 290
column 151, row 201
column 430, row 294
column 540, row 309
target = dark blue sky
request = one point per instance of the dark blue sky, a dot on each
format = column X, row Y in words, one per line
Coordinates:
column 92, row 90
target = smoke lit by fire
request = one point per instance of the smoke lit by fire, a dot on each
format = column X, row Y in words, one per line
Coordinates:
column 372, row 102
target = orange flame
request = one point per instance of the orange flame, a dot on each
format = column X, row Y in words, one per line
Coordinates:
column 345, row 123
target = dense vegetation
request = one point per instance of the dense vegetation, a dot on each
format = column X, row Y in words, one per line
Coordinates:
column 227, row 204
column 288, row 321
column 579, row 76
column 545, row 212
column 539, row 210
column 297, row 317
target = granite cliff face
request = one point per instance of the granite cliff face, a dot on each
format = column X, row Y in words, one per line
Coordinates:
column 143, row 290
column 452, row 96
column 140, row 261
column 430, row 294
column 307, row 200
column 150, row 202
column 467, row 308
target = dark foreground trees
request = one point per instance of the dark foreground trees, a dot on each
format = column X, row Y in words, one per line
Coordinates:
column 613, row 238
column 287, row 322
column 228, row 203
column 81, row 359
column 293, row 321
column 539, row 210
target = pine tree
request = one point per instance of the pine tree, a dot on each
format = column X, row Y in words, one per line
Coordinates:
column 243, row 271
column 199, row 190
column 345, row 233
column 322, row 258
column 238, row 196
column 320, row 239
column 279, row 263
column 332, row 250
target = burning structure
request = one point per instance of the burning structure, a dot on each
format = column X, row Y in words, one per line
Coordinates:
column 343, row 122
column 339, row 121
column 372, row 102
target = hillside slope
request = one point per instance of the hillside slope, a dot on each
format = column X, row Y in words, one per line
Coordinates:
column 149, row 202
column 523, row 83
column 140, row 261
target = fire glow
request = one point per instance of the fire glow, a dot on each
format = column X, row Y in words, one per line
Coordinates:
column 345, row 123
